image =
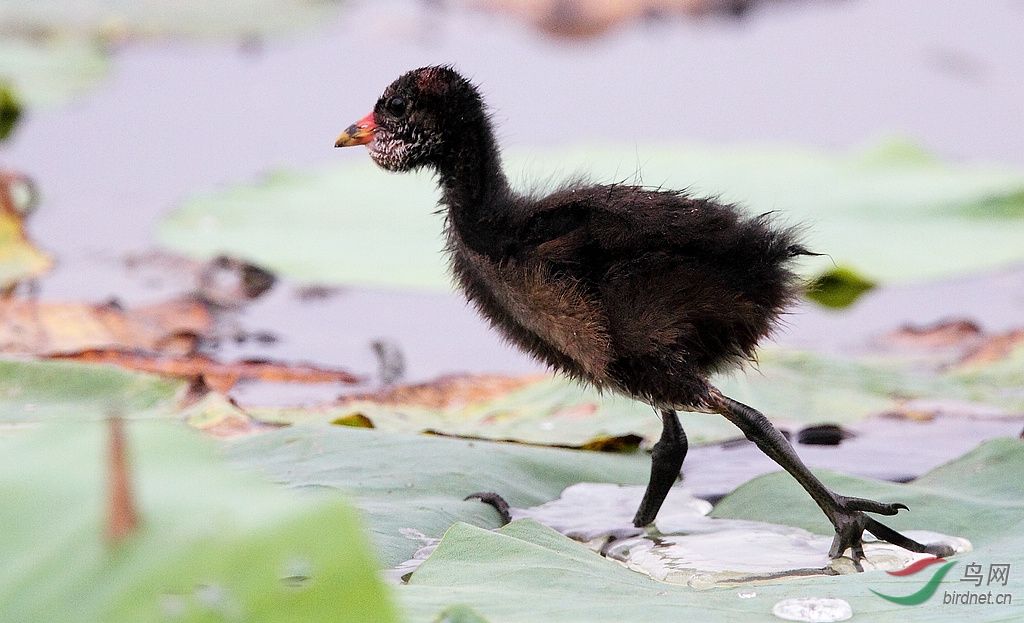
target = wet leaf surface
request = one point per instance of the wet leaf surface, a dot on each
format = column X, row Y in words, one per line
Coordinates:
column 408, row 485
column 492, row 570
column 212, row 543
column 685, row 547
column 884, row 214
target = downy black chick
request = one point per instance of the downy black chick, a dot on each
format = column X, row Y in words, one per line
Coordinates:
column 641, row 291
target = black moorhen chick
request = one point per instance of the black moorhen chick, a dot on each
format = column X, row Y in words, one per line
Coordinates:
column 645, row 292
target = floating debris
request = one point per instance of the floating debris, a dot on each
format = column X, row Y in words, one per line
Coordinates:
column 823, row 435
column 390, row 361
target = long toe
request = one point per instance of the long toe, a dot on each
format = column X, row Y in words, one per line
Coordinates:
column 870, row 506
column 886, row 533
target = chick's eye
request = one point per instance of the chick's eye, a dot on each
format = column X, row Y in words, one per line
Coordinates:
column 397, row 106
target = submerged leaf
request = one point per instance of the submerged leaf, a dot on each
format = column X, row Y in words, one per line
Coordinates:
column 589, row 19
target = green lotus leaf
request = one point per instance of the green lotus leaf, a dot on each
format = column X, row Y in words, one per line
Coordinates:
column 978, row 496
column 408, row 484
column 34, row 391
column 791, row 387
column 213, row 543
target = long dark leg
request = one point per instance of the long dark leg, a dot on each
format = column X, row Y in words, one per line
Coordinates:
column 666, row 460
column 846, row 514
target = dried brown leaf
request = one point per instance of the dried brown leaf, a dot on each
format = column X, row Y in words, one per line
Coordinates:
column 947, row 333
column 455, row 390
column 960, row 342
column 994, row 348
column 214, row 374
column 49, row 328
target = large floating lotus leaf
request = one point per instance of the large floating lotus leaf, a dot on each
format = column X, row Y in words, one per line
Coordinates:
column 416, row 483
column 791, row 387
column 889, row 215
column 353, row 224
column 979, row 496
column 32, row 391
column 213, row 543
column 550, row 411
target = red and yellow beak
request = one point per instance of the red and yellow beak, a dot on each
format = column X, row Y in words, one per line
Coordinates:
column 359, row 133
